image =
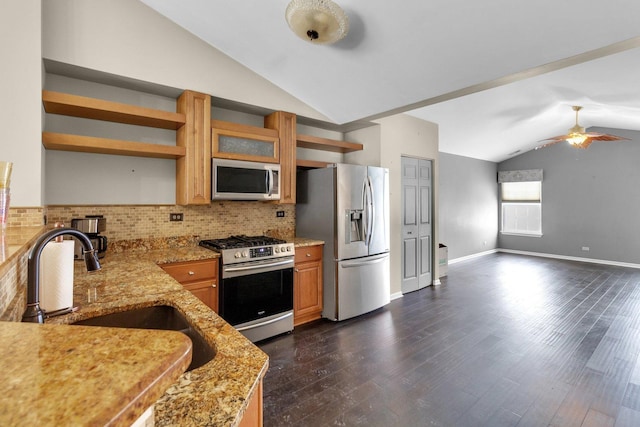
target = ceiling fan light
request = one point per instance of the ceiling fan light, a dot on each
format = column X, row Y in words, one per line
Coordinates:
column 317, row 21
column 576, row 138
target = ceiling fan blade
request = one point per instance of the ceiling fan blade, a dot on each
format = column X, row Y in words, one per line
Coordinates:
column 548, row 143
column 604, row 137
column 558, row 138
column 587, row 142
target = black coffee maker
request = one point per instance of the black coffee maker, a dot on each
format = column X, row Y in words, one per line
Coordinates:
column 92, row 226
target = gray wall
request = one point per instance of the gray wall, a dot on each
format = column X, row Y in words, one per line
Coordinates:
column 468, row 205
column 590, row 198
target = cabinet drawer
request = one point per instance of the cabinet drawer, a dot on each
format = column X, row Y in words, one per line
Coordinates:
column 192, row 270
column 308, row 253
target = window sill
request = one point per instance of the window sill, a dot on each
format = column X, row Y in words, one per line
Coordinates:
column 522, row 234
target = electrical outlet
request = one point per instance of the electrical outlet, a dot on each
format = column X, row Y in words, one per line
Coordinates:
column 176, row 217
column 280, row 214
column 585, row 248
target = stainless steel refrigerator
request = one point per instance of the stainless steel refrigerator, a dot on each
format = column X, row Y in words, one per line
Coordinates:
column 347, row 206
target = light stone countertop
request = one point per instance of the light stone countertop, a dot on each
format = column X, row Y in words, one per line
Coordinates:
column 304, row 242
column 215, row 394
column 79, row 375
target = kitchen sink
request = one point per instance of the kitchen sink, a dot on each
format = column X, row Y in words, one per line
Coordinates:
column 162, row 317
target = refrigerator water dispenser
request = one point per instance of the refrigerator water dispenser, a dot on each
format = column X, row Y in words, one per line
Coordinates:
column 354, row 225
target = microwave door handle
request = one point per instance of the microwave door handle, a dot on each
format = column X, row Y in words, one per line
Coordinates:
column 270, row 181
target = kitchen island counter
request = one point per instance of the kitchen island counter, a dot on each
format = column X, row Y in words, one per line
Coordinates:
column 78, row 375
column 217, row 393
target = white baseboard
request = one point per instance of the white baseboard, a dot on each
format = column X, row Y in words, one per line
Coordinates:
column 396, row 295
column 468, row 257
column 437, row 282
column 571, row 258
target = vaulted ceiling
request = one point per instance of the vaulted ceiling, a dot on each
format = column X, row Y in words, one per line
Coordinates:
column 497, row 76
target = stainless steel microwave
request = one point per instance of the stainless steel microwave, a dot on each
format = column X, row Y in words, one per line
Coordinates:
column 240, row 180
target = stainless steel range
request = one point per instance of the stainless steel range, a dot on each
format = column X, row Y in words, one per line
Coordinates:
column 256, row 284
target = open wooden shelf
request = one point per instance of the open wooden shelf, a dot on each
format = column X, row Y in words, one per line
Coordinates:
column 90, row 144
column 311, row 164
column 317, row 143
column 98, row 109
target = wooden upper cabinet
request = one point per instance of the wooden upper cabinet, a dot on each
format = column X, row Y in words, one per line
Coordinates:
column 285, row 124
column 193, row 171
column 244, row 142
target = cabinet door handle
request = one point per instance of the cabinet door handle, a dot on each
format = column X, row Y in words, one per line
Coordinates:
column 297, row 271
column 213, row 285
column 191, row 273
column 308, row 254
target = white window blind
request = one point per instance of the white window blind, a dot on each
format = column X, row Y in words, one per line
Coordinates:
column 521, row 191
column 522, row 218
column 521, row 207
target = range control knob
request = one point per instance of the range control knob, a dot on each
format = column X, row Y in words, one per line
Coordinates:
column 277, row 249
column 288, row 248
column 237, row 255
column 245, row 254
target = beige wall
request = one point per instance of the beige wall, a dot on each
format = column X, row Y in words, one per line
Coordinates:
column 397, row 136
column 20, row 106
column 129, row 39
column 126, row 38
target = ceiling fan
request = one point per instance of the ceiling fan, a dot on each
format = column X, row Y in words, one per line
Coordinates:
column 577, row 136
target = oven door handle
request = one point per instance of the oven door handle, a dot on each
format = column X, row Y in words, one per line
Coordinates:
column 257, row 267
column 268, row 322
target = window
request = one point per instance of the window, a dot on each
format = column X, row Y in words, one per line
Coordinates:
column 521, row 208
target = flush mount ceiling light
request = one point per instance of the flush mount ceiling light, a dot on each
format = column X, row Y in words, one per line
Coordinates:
column 317, row 21
column 577, row 136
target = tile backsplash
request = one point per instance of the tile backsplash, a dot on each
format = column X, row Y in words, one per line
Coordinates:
column 133, row 227
column 216, row 220
column 25, row 217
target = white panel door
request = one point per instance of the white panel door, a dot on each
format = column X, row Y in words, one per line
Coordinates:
column 416, row 225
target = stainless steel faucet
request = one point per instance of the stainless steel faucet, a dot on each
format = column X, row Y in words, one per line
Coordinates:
column 33, row 312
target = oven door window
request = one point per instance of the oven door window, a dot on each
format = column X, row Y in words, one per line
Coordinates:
column 254, row 296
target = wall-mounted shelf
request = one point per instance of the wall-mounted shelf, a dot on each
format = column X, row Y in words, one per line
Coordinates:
column 90, row 144
column 98, row 109
column 311, row 164
column 325, row 144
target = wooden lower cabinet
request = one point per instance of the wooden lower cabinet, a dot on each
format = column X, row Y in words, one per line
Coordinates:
column 252, row 417
column 199, row 277
column 307, row 284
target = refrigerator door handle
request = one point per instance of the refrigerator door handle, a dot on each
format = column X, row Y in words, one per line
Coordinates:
column 369, row 261
column 370, row 210
column 365, row 205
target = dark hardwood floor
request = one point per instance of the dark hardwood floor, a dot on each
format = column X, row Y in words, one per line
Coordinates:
column 506, row 340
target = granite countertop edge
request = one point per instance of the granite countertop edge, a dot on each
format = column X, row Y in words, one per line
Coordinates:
column 217, row 393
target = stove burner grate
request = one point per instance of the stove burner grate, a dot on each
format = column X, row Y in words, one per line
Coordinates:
column 240, row 241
